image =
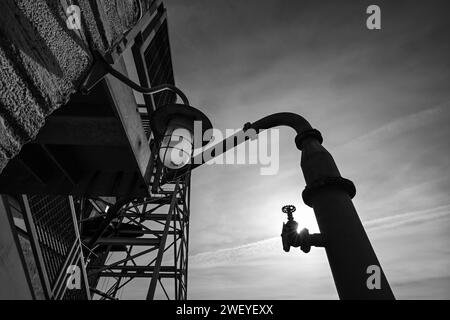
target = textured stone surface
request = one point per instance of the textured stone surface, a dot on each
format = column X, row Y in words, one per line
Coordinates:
column 122, row 16
column 43, row 62
column 108, row 20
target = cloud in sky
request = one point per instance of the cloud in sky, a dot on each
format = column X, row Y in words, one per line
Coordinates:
column 261, row 270
column 381, row 101
column 417, row 269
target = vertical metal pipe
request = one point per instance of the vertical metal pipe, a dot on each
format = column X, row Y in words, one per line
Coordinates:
column 348, row 248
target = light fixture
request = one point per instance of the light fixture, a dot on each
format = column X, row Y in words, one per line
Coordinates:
column 173, row 127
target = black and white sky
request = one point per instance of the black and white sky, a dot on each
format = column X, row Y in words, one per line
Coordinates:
column 381, row 99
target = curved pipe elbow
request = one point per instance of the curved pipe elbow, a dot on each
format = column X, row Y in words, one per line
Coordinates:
column 289, row 119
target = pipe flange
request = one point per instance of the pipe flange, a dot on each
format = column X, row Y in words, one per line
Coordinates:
column 339, row 182
column 247, row 126
column 312, row 133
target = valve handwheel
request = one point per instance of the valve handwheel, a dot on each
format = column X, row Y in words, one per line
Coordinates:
column 288, row 208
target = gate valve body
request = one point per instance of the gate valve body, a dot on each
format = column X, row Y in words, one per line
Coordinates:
column 292, row 238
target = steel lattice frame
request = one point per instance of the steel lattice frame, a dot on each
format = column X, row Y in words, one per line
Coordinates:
column 47, row 224
column 160, row 254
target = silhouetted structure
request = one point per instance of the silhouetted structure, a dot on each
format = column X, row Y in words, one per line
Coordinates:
column 89, row 188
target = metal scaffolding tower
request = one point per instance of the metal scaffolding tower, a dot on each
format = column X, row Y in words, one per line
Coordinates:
column 148, row 242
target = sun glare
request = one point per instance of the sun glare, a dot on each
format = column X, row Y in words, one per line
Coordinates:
column 306, row 219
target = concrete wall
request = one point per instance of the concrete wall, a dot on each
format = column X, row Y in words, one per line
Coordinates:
column 43, row 62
